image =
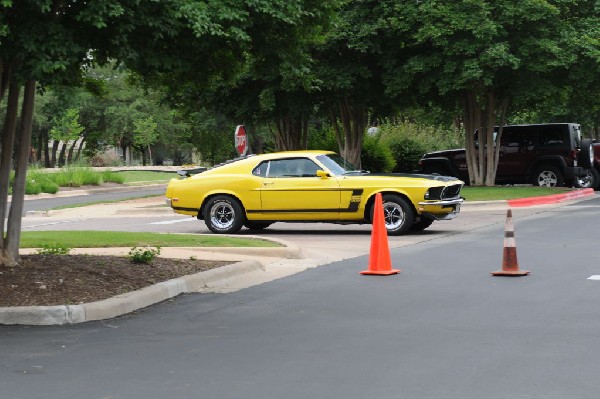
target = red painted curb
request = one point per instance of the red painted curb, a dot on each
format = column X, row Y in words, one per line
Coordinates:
column 551, row 199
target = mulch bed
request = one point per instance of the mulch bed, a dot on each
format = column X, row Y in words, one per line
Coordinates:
column 43, row 280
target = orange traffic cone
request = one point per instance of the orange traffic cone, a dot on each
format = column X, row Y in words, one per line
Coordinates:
column 510, row 265
column 379, row 258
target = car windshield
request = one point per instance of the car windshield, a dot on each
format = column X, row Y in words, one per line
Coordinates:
column 336, row 164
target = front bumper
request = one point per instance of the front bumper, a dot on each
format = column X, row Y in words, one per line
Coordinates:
column 442, row 209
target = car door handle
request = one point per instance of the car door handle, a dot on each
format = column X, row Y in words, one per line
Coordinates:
column 265, row 183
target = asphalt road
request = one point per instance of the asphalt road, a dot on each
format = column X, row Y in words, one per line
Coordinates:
column 50, row 203
column 443, row 328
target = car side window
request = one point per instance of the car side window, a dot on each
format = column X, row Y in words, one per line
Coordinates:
column 551, row 135
column 261, row 169
column 293, row 167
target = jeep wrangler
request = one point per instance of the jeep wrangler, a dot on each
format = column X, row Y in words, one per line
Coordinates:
column 547, row 155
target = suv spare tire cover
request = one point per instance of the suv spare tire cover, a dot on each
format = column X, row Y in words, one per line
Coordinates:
column 586, row 155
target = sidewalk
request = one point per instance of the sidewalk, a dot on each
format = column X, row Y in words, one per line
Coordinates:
column 250, row 266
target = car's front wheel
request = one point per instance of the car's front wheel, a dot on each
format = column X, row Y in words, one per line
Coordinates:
column 421, row 224
column 397, row 213
column 548, row 176
column 224, row 215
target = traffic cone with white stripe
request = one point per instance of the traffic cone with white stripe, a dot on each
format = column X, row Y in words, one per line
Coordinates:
column 510, row 265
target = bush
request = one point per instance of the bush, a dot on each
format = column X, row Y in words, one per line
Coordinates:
column 143, row 255
column 113, row 177
column 407, row 153
column 54, row 249
column 376, row 157
column 409, row 141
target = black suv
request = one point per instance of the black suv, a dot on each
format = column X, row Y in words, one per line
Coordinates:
column 548, row 155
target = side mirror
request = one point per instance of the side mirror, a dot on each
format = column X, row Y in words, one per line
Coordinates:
column 322, row 174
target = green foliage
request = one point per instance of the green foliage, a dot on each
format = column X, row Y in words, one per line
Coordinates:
column 407, row 152
column 53, row 249
column 322, row 139
column 143, row 255
column 67, row 127
column 110, row 176
column 376, row 156
column 77, row 177
column 409, row 141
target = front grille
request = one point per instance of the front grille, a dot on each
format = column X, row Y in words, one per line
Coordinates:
column 452, row 191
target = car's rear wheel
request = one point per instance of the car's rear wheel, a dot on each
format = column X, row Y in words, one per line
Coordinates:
column 257, row 225
column 548, row 176
column 397, row 213
column 224, row 215
column 421, row 224
column 590, row 180
column 586, row 155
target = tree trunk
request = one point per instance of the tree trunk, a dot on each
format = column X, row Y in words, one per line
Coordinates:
column 481, row 114
column 353, row 120
column 46, row 149
column 13, row 231
column 8, row 139
column 70, row 152
column 80, row 149
column 55, row 144
column 291, row 133
column 61, row 157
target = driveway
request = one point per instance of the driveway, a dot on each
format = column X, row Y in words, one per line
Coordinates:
column 443, row 328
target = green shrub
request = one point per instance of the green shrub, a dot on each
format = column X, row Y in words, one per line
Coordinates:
column 143, row 255
column 409, row 141
column 376, row 156
column 54, row 249
column 49, row 187
column 113, row 177
column 407, row 152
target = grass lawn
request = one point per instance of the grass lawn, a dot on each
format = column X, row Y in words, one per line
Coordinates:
column 105, row 239
column 137, row 176
column 508, row 192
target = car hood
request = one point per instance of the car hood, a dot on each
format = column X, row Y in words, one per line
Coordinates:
column 408, row 175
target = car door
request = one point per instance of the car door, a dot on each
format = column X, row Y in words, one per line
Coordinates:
column 291, row 190
column 516, row 153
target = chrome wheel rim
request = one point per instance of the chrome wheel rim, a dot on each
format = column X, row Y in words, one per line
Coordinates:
column 222, row 215
column 393, row 215
column 585, row 181
column 547, row 179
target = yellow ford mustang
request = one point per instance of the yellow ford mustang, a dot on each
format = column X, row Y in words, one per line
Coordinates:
column 310, row 186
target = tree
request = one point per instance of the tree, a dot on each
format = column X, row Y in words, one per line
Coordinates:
column 66, row 128
column 485, row 55
column 145, row 130
column 49, row 41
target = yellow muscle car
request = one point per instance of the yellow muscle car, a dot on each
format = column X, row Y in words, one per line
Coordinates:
column 310, row 186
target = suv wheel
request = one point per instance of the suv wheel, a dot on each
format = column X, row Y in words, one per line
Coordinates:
column 548, row 176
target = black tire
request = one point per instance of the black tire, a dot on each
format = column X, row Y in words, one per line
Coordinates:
column 224, row 215
column 257, row 225
column 398, row 214
column 590, row 180
column 548, row 176
column 421, row 224
column 586, row 155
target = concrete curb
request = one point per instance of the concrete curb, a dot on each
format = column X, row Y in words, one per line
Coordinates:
column 551, row 199
column 124, row 303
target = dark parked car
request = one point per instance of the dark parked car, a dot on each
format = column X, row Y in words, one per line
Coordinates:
column 548, row 155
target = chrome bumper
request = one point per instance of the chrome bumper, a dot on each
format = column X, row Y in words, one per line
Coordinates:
column 443, row 203
column 425, row 208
